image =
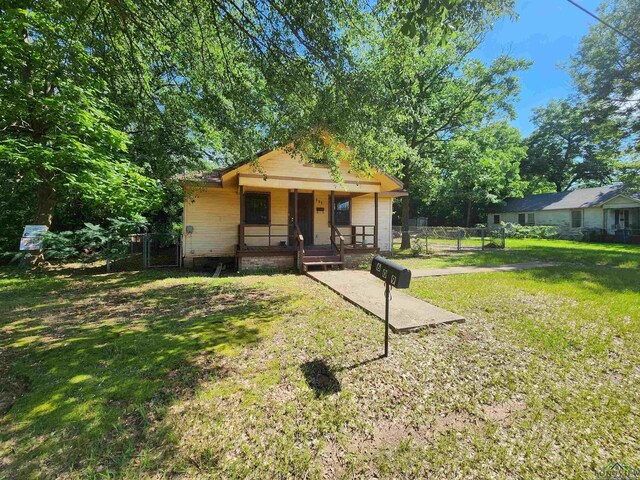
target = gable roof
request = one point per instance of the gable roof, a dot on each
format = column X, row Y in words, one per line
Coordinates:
column 581, row 198
column 214, row 177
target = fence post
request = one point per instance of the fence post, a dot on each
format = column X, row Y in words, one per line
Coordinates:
column 426, row 241
column 147, row 248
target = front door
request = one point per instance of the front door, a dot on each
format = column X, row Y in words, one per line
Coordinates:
column 622, row 219
column 305, row 216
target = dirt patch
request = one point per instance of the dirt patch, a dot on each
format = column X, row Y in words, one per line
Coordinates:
column 389, row 433
column 503, row 412
column 456, row 421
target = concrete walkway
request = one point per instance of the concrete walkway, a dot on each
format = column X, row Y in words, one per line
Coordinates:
column 406, row 313
column 437, row 272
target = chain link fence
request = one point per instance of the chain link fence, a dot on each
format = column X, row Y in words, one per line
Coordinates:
column 150, row 250
column 425, row 239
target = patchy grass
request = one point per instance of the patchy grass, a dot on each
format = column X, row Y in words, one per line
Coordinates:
column 88, row 359
column 527, row 250
column 149, row 375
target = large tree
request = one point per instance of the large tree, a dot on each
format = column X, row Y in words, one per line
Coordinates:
column 606, row 68
column 100, row 99
column 569, row 146
column 58, row 129
column 481, row 167
column 426, row 92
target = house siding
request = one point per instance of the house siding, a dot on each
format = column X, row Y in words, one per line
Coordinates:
column 591, row 217
column 214, row 214
column 278, row 169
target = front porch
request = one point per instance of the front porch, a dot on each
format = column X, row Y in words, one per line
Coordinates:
column 312, row 235
column 622, row 223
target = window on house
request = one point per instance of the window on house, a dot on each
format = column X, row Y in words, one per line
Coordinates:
column 342, row 211
column 521, row 219
column 496, row 219
column 531, row 219
column 576, row 219
column 256, row 208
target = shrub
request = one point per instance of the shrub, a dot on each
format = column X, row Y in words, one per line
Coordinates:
column 418, row 246
column 92, row 242
column 514, row 230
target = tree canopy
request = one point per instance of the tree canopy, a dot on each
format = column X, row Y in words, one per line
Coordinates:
column 569, row 146
column 480, row 169
column 102, row 102
column 425, row 94
column 606, row 68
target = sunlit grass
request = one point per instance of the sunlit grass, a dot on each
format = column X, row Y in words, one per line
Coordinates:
column 526, row 250
column 167, row 374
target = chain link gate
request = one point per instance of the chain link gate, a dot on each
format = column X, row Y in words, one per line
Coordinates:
column 162, row 250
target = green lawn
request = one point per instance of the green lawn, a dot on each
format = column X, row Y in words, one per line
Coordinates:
column 517, row 251
column 158, row 374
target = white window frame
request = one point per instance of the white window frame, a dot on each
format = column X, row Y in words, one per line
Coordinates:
column 573, row 212
column 531, row 219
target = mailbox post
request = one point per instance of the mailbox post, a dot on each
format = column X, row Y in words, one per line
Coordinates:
column 394, row 275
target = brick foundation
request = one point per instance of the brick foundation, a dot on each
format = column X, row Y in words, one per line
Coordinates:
column 358, row 260
column 277, row 263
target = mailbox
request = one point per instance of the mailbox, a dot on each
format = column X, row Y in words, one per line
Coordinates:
column 395, row 275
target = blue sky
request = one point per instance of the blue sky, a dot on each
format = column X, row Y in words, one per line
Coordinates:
column 547, row 32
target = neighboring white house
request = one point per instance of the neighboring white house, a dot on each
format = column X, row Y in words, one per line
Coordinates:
column 606, row 208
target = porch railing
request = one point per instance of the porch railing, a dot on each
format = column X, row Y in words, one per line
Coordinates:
column 299, row 240
column 359, row 236
column 361, row 233
column 273, row 238
column 339, row 247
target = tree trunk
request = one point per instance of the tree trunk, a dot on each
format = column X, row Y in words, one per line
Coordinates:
column 469, row 211
column 405, row 211
column 44, row 213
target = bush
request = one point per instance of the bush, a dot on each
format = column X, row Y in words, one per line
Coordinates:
column 514, row 230
column 92, row 242
column 418, row 246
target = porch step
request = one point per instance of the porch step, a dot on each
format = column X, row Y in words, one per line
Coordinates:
column 324, row 261
column 321, row 258
column 324, row 265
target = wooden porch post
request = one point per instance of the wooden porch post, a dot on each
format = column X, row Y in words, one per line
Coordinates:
column 332, row 207
column 241, row 232
column 375, row 223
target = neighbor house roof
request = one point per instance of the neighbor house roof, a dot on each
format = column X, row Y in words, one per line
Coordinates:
column 581, row 198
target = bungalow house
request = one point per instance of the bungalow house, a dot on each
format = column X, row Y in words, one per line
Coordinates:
column 279, row 212
column 608, row 209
